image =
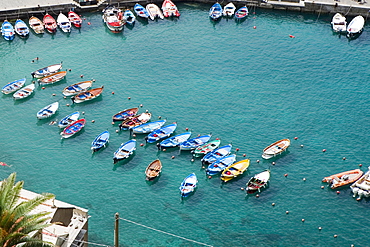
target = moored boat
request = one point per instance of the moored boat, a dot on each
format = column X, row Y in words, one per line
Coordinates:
column 257, row 182
column 36, row 25
column 13, row 86
column 124, row 151
column 206, row 148
column 355, row 26
column 229, row 10
column 216, row 154
column 52, row 78
column 174, row 140
column 73, row 128
column 88, row 95
column 100, row 141
column 67, row 120
column 50, row 23
column 276, row 148
column 77, row 88
column 361, row 187
column 64, row 23
column 148, row 127
column 339, row 23
column 125, row 114
column 343, row 178
column 24, row 92
column 188, row 185
column 75, row 19
column 113, row 18
column 21, row 28
column 153, row 170
column 7, row 30
column 48, row 111
column 141, row 11
column 195, row 142
column 215, row 11
column 169, row 9
column 161, row 133
column 135, row 121
column 129, row 16
column 48, row 70
column 220, row 164
column 154, row 11
column 241, row 13
column 235, row 170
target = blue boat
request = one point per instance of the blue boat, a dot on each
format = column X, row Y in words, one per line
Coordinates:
column 216, row 154
column 194, row 142
column 124, row 151
column 13, row 86
column 188, row 185
column 100, row 141
column 7, row 30
column 220, row 164
column 141, row 11
column 21, row 28
column 67, row 120
column 161, row 133
column 174, row 140
column 148, row 127
column 129, row 16
column 241, row 13
column 215, row 12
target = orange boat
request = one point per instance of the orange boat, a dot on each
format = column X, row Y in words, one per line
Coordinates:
column 343, row 178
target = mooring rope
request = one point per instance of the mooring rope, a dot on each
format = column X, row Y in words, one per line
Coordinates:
column 319, row 12
column 151, row 228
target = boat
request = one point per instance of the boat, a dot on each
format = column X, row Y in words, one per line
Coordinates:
column 235, row 170
column 13, row 86
column 148, row 127
column 64, row 23
column 47, row 111
column 36, row 25
column 52, row 78
column 125, row 114
column 88, row 95
column 141, row 11
column 113, row 18
column 100, row 141
column 124, row 151
column 188, row 185
column 343, row 178
column 194, row 142
column 174, row 140
column 153, row 170
column 129, row 16
column 355, row 26
column 229, row 10
column 75, row 19
column 241, row 13
column 24, row 92
column 361, row 187
column 50, row 23
column 73, row 128
column 161, row 133
column 77, row 88
column 51, row 69
column 216, row 154
column 215, row 12
column 276, row 148
column 169, row 9
column 7, row 30
column 21, row 28
column 135, row 121
column 67, row 120
column 154, row 11
column 220, row 164
column 339, row 23
column 206, row 148
column 257, row 182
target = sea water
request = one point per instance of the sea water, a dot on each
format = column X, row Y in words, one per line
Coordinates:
column 274, row 75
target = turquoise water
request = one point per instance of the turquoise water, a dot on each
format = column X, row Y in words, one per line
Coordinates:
column 247, row 86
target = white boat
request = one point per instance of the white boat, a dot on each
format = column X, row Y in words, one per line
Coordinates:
column 113, row 18
column 67, row 120
column 64, row 23
column 24, row 92
column 355, row 26
column 77, row 88
column 48, row 111
column 229, row 10
column 13, row 86
column 36, row 24
column 21, row 28
column 276, row 148
column 339, row 23
column 154, row 11
column 257, row 182
column 51, row 69
column 361, row 187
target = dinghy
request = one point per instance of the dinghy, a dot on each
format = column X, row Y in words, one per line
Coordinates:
column 361, row 187
column 67, row 120
column 88, row 95
column 355, row 26
column 235, row 170
column 169, row 9
column 148, row 127
column 257, row 182
column 64, row 23
column 124, row 151
column 141, row 11
column 21, row 28
column 100, row 141
column 135, row 121
column 174, row 140
column 125, row 114
column 216, row 154
column 51, row 69
column 339, row 23
column 215, row 12
column 50, row 23
column 75, row 19
column 53, row 78
column 154, row 11
column 343, row 178
column 276, row 148
column 13, row 86
column 241, row 13
column 206, row 148
column 36, row 25
column 161, row 133
column 129, row 16
column 229, row 10
column 24, row 92
column 220, row 164
column 73, row 128
column 188, row 185
column 194, row 142
column 48, row 111
column 77, row 88
column 7, row 30
column 153, row 170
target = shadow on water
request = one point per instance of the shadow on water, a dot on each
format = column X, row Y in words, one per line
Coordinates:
column 122, row 162
column 143, row 21
column 73, row 136
column 93, row 153
column 20, row 101
column 41, row 122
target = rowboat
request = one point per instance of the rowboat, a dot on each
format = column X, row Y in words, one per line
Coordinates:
column 229, row 10
column 169, row 9
column 75, row 19
column 361, row 187
column 206, row 148
column 21, row 28
column 124, row 151
column 67, row 120
column 154, row 11
column 64, row 23
column 125, row 114
column 220, row 164
column 24, row 92
column 235, row 170
column 77, row 88
column 36, row 25
column 113, row 18
column 161, row 133
column 257, row 182
column 241, row 13
column 88, row 95
column 339, row 23
column 188, row 185
column 100, row 141
column 343, row 178
column 276, row 148
column 7, row 30
column 53, row 78
column 216, row 154
column 355, row 26
column 141, row 11
column 174, row 140
column 153, row 170
column 47, row 70
column 215, row 11
column 13, row 86
column 73, row 128
column 48, row 111
column 148, row 127
column 129, row 16
column 50, row 23
column 194, row 142
column 135, row 121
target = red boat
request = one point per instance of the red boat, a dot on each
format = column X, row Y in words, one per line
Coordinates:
column 73, row 128
column 75, row 19
column 50, row 23
column 169, row 9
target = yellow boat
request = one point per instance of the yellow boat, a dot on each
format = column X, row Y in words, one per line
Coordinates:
column 234, row 170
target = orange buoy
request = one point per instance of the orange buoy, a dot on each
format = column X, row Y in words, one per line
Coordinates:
column 242, row 188
column 273, row 163
column 286, row 175
column 244, row 155
column 112, row 122
column 164, row 150
column 360, row 165
column 88, row 23
column 295, row 138
column 302, row 220
column 258, row 161
column 324, row 150
column 81, row 76
column 117, row 131
column 64, row 97
column 302, row 146
column 67, row 105
column 287, row 212
column 192, row 160
column 141, row 144
column 141, row 105
column 43, row 88
column 335, row 235
column 133, row 135
column 93, row 121
column 291, row 36
column 112, row 92
column 159, row 117
column 209, row 177
column 338, row 192
column 129, row 98
column 320, row 228
column 344, row 158
column 54, row 94
column 322, row 187
column 304, row 179
column 257, row 195
column 172, row 157
column 273, row 204
column 186, row 129
column 237, row 149
column 254, row 27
